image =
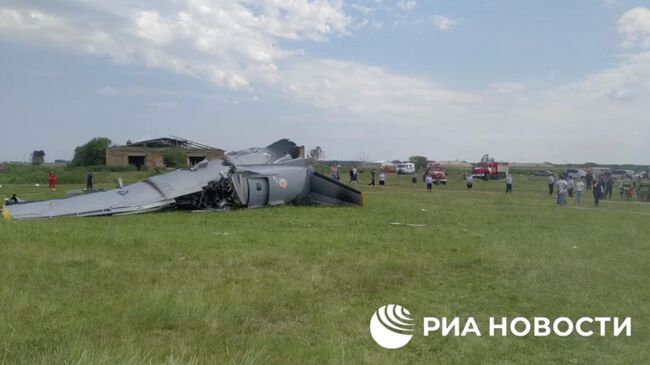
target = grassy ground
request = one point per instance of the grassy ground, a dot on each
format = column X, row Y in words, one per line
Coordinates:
column 299, row 284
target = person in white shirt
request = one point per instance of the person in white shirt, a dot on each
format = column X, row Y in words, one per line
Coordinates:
column 429, row 181
column 621, row 186
column 469, row 180
column 551, row 184
column 562, row 187
column 382, row 179
column 355, row 176
column 570, row 184
column 580, row 187
column 509, row 184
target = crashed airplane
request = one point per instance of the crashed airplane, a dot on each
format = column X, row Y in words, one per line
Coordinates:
column 251, row 178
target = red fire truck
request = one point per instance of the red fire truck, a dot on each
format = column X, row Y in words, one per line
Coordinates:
column 488, row 169
column 438, row 174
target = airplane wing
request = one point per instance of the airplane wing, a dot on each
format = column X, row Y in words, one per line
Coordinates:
column 252, row 178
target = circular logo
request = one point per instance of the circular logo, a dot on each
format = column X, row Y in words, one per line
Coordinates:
column 390, row 326
column 282, row 182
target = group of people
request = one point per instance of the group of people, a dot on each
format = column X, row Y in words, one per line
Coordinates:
column 382, row 178
column 354, row 176
column 52, row 179
column 568, row 186
column 469, row 182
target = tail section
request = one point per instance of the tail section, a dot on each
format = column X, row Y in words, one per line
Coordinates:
column 324, row 190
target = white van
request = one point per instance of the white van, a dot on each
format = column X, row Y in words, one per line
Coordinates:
column 405, row 168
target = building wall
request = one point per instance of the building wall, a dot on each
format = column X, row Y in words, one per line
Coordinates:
column 154, row 157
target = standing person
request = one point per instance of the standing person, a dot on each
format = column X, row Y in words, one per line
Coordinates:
column 590, row 180
column 562, row 187
column 580, row 187
column 597, row 191
column 51, row 180
column 603, row 187
column 414, row 178
column 382, row 179
column 351, row 173
column 551, row 184
column 570, row 184
column 372, row 177
column 90, row 180
column 355, row 175
column 469, row 180
column 609, row 187
column 508, row 184
column 334, row 172
column 621, row 186
column 429, row 181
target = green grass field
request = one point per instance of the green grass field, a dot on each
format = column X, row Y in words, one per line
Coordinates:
column 298, row 285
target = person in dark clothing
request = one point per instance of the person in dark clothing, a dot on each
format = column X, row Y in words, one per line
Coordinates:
column 351, row 173
column 598, row 192
column 609, row 186
column 90, row 180
column 590, row 180
column 601, row 183
column 13, row 199
column 414, row 178
column 372, row 177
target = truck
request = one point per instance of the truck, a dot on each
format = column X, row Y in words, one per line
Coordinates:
column 437, row 173
column 488, row 169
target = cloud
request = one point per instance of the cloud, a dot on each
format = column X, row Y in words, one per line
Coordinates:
column 365, row 90
column 407, row 5
column 612, row 3
column 235, row 44
column 634, row 25
column 255, row 48
column 163, row 105
column 443, row 23
column 107, row 91
column 507, row 87
column 231, row 43
column 35, row 26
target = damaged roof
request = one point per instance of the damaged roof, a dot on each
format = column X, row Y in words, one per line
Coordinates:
column 171, row 142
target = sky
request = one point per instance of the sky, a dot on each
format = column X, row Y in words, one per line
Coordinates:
column 560, row 81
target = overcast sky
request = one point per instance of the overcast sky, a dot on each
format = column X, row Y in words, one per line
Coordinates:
column 524, row 81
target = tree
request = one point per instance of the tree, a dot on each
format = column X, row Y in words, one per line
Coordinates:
column 419, row 161
column 92, row 153
column 316, row 153
column 38, row 157
column 175, row 158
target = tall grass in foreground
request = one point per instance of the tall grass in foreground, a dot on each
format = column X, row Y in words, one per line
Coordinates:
column 297, row 285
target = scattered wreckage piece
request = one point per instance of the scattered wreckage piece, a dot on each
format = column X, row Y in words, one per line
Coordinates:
column 251, row 178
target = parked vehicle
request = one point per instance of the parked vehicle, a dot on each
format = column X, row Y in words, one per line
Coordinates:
column 622, row 173
column 488, row 168
column 405, row 168
column 438, row 174
column 575, row 173
column 543, row 173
